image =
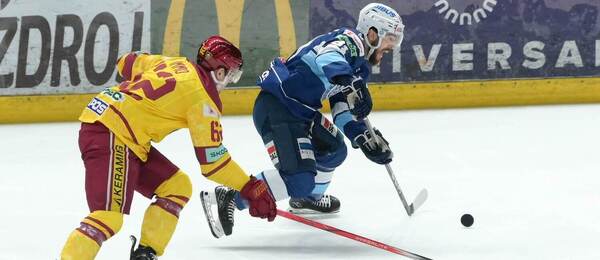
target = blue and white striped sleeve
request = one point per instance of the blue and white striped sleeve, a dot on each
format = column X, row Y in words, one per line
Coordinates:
column 342, row 118
column 333, row 62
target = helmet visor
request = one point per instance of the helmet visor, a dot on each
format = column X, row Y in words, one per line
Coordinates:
column 392, row 40
column 234, row 75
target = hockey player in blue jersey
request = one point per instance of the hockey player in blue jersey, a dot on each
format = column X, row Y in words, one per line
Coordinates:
column 304, row 145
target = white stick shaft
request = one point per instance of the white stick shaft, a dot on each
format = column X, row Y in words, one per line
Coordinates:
column 409, row 209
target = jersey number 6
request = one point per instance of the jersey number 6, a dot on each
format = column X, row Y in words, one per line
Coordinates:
column 216, row 133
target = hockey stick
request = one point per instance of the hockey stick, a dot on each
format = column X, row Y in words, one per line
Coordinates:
column 349, row 235
column 352, row 95
column 421, row 197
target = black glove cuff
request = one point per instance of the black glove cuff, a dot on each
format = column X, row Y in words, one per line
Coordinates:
column 343, row 80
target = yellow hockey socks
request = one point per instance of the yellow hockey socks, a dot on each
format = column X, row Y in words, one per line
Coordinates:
column 161, row 217
column 85, row 241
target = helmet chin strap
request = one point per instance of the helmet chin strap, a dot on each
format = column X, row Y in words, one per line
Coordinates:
column 220, row 83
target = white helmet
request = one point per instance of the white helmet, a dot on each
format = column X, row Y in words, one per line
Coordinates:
column 385, row 20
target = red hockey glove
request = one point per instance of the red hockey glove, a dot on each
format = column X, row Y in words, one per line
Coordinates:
column 262, row 203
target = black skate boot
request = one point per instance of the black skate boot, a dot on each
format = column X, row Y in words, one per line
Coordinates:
column 327, row 204
column 142, row 252
column 223, row 197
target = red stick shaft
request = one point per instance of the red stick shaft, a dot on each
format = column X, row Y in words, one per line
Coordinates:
column 349, row 235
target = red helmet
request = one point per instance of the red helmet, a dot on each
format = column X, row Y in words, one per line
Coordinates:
column 216, row 52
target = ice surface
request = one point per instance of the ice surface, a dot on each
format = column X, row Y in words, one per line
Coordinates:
column 529, row 175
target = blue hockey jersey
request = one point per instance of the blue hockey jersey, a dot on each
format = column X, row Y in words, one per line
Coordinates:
column 304, row 80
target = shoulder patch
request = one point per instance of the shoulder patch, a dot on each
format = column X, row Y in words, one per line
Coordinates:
column 349, row 45
column 357, row 41
column 98, row 106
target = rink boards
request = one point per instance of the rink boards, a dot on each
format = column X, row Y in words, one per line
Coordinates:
column 460, row 53
column 27, row 109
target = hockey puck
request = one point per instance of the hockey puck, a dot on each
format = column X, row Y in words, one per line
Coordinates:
column 467, row 220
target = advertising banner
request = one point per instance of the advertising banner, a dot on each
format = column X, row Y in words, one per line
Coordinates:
column 263, row 29
column 447, row 40
column 67, row 46
column 54, row 55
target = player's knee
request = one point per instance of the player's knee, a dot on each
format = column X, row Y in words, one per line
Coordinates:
column 331, row 160
column 174, row 193
column 299, row 185
column 178, row 188
column 102, row 224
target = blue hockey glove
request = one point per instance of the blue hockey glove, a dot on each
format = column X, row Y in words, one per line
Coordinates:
column 357, row 95
column 376, row 149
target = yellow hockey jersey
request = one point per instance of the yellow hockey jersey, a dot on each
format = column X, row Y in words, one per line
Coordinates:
column 158, row 96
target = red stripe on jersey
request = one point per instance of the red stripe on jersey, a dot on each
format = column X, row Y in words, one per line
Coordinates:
column 201, row 155
column 128, row 65
column 209, row 86
column 218, row 168
column 125, row 122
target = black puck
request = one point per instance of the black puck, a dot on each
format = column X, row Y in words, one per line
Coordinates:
column 467, row 220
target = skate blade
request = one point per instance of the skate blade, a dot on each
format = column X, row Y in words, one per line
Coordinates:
column 309, row 211
column 215, row 226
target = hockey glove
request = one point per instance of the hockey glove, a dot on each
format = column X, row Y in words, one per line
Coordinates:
column 261, row 202
column 377, row 151
column 357, row 95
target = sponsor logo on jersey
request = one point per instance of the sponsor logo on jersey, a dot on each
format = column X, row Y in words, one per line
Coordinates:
column 330, row 127
column 118, row 176
column 465, row 18
column 306, row 149
column 98, row 106
column 349, row 44
column 357, row 41
column 272, row 151
column 214, row 154
column 114, row 95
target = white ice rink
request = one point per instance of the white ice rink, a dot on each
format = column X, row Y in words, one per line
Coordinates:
column 529, row 175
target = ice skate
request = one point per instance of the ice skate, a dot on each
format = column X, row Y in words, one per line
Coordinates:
column 327, row 204
column 223, row 198
column 142, row 252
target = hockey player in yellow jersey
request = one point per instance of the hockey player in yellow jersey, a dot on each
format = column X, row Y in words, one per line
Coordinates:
column 159, row 95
